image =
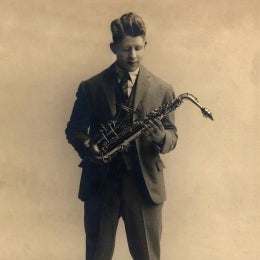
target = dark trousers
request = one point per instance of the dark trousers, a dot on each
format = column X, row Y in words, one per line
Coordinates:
column 122, row 196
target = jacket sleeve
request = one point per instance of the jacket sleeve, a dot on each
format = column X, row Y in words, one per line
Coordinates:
column 78, row 126
column 171, row 137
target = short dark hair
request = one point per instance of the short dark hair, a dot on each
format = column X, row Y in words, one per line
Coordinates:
column 129, row 24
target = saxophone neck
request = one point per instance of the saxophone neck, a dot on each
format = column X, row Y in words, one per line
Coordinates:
column 206, row 113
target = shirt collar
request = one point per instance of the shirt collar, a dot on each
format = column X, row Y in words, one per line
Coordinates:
column 120, row 72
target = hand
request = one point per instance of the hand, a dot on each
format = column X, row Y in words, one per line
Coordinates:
column 90, row 155
column 156, row 130
column 87, row 143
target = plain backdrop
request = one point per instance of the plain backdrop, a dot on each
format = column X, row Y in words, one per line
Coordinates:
column 207, row 48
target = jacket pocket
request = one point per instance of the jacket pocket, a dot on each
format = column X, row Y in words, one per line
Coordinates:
column 159, row 165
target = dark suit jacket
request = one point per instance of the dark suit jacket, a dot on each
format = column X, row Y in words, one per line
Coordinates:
column 96, row 104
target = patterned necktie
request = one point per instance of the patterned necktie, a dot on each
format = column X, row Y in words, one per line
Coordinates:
column 124, row 84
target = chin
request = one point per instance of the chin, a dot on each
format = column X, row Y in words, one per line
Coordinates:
column 132, row 67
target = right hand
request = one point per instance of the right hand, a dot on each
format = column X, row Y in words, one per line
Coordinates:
column 90, row 154
column 87, row 143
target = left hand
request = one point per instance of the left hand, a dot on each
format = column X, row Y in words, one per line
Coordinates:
column 156, row 130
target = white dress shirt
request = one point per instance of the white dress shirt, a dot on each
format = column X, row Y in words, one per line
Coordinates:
column 130, row 83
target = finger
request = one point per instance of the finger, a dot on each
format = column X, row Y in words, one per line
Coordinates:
column 147, row 133
column 149, row 128
column 87, row 143
column 159, row 124
column 154, row 126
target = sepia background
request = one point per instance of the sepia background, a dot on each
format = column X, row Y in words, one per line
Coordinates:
column 207, row 48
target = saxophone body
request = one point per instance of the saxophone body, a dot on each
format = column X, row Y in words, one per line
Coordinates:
column 116, row 136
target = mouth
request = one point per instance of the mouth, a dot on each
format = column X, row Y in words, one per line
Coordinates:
column 132, row 62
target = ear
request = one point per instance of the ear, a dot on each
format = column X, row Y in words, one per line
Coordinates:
column 113, row 47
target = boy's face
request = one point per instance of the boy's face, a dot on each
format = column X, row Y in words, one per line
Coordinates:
column 129, row 52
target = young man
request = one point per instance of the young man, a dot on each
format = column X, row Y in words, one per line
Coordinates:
column 131, row 186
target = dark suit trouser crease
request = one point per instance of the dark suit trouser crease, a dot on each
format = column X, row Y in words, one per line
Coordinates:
column 122, row 195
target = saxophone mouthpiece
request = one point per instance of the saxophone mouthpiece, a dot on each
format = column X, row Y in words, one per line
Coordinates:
column 206, row 113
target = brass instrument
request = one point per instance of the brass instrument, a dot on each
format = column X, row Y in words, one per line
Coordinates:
column 115, row 136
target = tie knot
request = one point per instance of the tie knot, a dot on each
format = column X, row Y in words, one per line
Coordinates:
column 125, row 78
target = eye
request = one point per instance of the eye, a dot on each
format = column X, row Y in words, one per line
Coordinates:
column 126, row 49
column 138, row 48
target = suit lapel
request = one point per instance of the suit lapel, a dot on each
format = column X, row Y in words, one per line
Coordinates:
column 109, row 84
column 141, row 87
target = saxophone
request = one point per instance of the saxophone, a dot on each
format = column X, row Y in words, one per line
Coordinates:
column 115, row 136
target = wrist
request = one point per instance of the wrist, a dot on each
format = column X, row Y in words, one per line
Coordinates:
column 160, row 144
column 160, row 139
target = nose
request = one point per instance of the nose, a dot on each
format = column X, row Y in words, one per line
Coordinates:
column 132, row 53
